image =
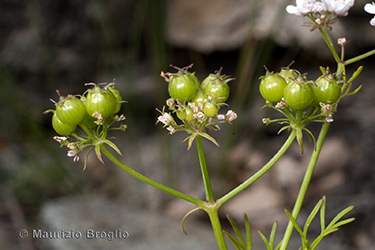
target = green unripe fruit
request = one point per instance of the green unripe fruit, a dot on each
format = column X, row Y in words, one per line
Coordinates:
column 216, row 87
column 217, row 91
column 189, row 114
column 207, row 80
column 195, row 80
column 70, row 110
column 272, row 87
column 182, row 88
column 326, row 91
column 101, row 101
column 185, row 114
column 299, row 96
column 210, row 109
column 61, row 128
column 118, row 96
column 199, row 97
column 181, row 114
column 288, row 75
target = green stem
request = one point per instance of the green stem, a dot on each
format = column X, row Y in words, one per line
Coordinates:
column 216, row 226
column 106, row 126
column 341, row 68
column 289, row 114
column 299, row 114
column 205, row 176
column 260, row 172
column 342, row 53
column 79, row 138
column 360, row 57
column 87, row 130
column 149, row 181
column 203, row 126
column 305, row 184
column 329, row 43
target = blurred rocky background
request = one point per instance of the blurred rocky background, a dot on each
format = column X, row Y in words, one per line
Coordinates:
column 49, row 45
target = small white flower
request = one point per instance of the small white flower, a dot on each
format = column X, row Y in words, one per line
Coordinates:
column 280, row 105
column 171, row 129
column 221, row 117
column 339, row 7
column 341, row 41
column 201, row 105
column 329, row 118
column 265, row 120
column 165, row 118
column 231, row 115
column 71, row 153
column 193, row 107
column 121, row 118
column 60, row 138
column 200, row 116
column 325, row 107
column 304, row 7
column 370, row 8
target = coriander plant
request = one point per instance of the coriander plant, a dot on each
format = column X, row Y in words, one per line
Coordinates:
column 195, row 108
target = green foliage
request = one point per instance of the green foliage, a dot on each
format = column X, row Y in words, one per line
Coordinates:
column 333, row 226
column 240, row 243
column 270, row 243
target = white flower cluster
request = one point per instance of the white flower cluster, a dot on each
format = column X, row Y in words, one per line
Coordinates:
column 304, row 7
column 370, row 8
